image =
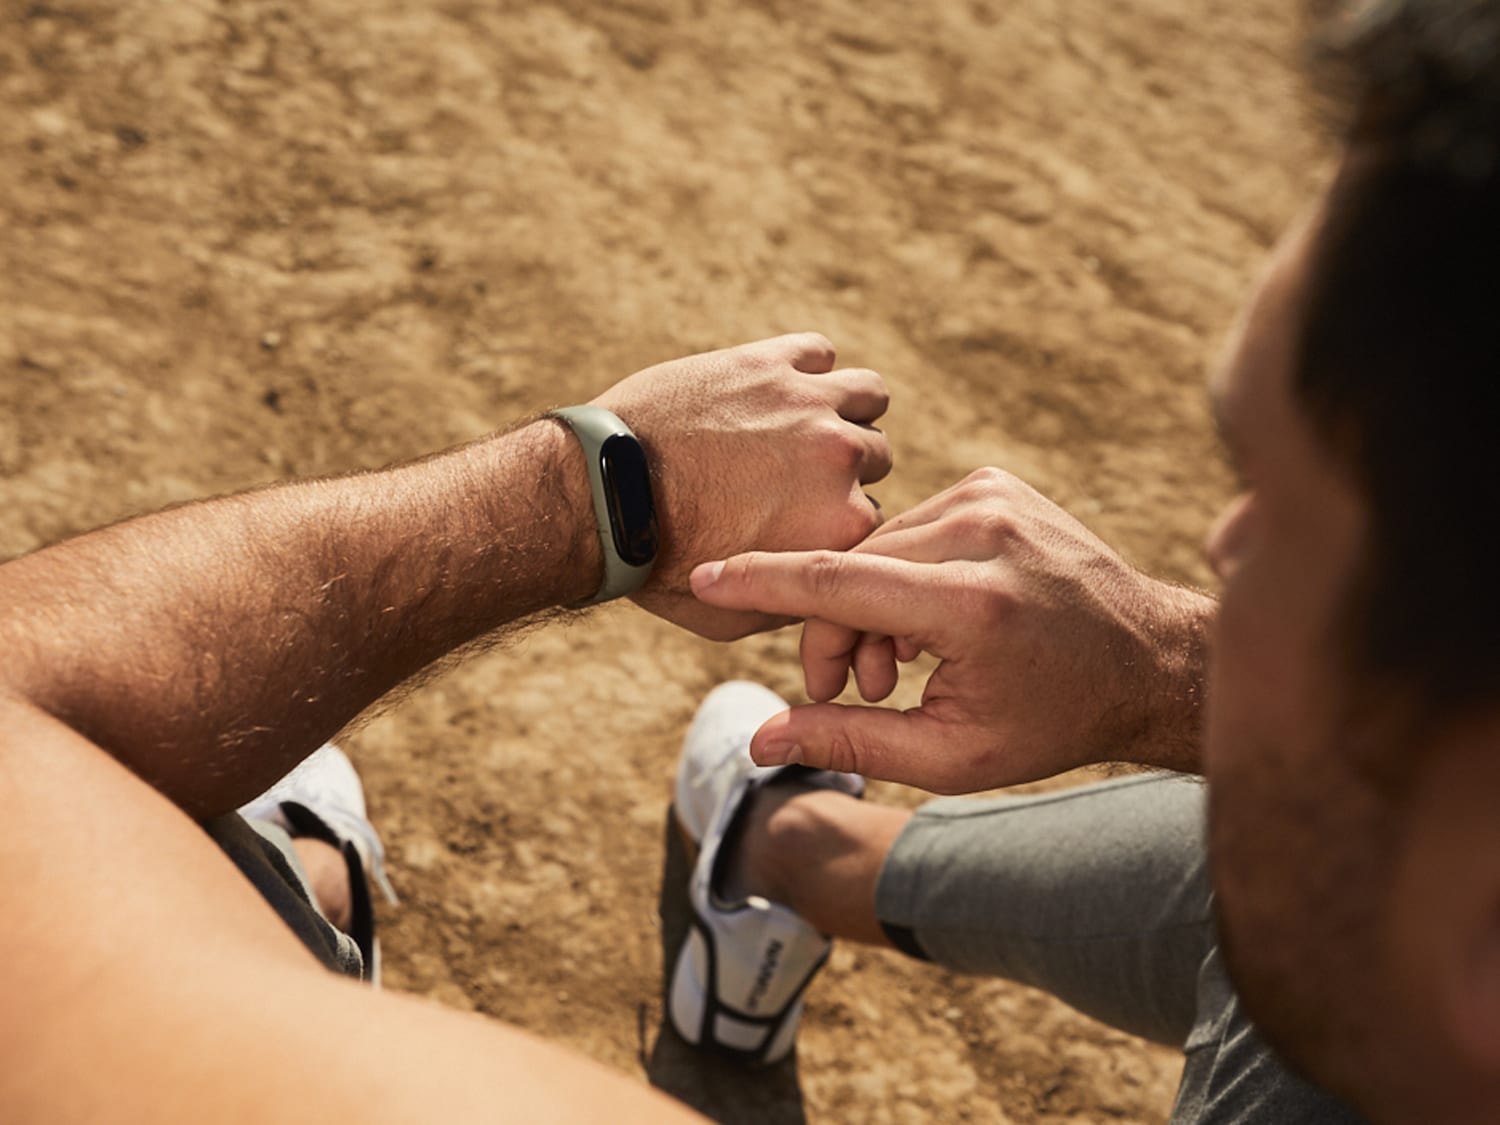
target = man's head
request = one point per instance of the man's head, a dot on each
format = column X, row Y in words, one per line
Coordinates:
column 1354, row 731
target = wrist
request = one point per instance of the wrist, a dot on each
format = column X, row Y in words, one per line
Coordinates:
column 1179, row 631
column 619, row 476
column 576, row 533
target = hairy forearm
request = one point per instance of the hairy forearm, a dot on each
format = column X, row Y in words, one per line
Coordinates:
column 211, row 646
column 162, row 967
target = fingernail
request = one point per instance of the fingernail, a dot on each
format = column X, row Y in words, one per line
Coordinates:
column 780, row 754
column 706, row 575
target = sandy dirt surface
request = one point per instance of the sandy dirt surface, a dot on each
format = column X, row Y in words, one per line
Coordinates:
column 245, row 240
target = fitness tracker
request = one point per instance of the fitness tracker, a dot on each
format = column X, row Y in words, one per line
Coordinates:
column 624, row 509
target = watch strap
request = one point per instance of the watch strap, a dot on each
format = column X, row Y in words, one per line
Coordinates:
column 593, row 426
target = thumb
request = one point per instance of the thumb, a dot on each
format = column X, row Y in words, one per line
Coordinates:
column 909, row 747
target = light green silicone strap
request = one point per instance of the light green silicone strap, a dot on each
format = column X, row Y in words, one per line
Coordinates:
column 593, row 426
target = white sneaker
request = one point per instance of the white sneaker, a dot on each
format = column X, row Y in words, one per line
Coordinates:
column 739, row 978
column 322, row 798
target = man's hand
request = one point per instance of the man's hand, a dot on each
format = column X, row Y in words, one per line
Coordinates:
column 760, row 447
column 1054, row 652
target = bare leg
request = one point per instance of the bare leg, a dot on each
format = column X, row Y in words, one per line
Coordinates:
column 328, row 873
column 819, row 852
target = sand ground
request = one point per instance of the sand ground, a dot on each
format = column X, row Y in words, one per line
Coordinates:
column 246, row 240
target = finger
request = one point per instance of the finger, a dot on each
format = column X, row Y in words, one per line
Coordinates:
column 867, row 592
column 860, row 520
column 927, row 512
column 812, row 353
column 934, row 508
column 859, row 394
column 874, row 447
column 875, row 667
column 827, row 650
column 906, row 652
column 909, row 747
column 912, row 544
column 930, row 543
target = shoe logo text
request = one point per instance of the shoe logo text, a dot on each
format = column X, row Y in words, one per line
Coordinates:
column 764, row 975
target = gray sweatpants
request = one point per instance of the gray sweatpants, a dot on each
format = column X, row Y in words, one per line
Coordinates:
column 1099, row 895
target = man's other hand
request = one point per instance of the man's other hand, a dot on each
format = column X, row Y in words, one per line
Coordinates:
column 762, row 447
column 1053, row 652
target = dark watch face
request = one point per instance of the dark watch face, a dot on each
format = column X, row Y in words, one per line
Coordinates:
column 627, row 485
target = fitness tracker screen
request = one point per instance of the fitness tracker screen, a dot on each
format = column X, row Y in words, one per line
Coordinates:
column 627, row 486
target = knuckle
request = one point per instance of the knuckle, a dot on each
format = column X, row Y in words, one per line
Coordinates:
column 871, row 381
column 988, row 483
column 984, row 602
column 827, row 431
column 968, row 523
column 986, row 527
column 845, row 754
column 852, row 524
column 825, row 571
column 997, row 529
column 837, row 446
column 743, row 570
column 816, row 341
column 761, row 359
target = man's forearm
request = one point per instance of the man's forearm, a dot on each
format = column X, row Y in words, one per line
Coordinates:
column 212, row 646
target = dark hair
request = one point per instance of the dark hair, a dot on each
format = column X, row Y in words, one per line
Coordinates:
column 1399, row 350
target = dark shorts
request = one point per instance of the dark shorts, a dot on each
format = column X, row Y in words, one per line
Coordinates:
column 264, row 853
